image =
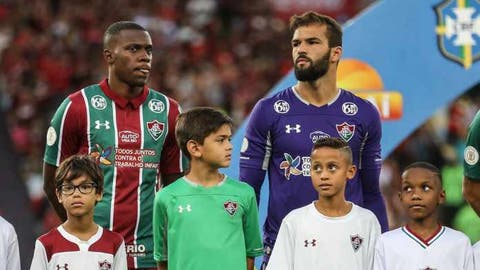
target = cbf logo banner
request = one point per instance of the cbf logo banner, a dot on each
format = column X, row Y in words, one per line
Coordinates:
column 458, row 30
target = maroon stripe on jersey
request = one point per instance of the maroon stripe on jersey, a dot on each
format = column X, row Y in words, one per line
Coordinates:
column 75, row 123
column 54, row 243
column 125, row 210
column 109, row 243
column 170, row 162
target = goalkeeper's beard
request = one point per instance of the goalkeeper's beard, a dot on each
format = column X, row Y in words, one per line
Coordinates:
column 315, row 71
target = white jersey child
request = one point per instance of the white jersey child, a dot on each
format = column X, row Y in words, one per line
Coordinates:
column 60, row 250
column 309, row 240
column 401, row 249
column 9, row 253
column 476, row 255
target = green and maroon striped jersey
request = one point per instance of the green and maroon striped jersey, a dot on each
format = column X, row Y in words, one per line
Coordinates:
column 134, row 142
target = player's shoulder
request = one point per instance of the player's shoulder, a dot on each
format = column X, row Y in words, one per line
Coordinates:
column 361, row 103
column 173, row 188
column 276, row 102
column 298, row 214
column 364, row 213
column 112, row 236
column 455, row 235
column 6, row 226
column 51, row 237
column 241, row 187
column 392, row 234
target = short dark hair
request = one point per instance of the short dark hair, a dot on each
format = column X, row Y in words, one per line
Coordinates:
column 334, row 30
column 335, row 143
column 427, row 166
column 76, row 166
column 116, row 27
column 196, row 124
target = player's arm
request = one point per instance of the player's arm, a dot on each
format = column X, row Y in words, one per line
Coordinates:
column 172, row 162
column 162, row 265
column 250, row 263
column 256, row 148
column 379, row 256
column 39, row 260
column 471, row 193
column 369, row 170
column 283, row 251
column 49, row 189
column 471, row 165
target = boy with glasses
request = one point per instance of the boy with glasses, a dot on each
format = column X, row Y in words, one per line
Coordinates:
column 79, row 243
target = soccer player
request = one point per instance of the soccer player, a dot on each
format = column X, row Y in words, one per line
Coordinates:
column 282, row 129
column 330, row 233
column 471, row 167
column 129, row 129
column 206, row 220
column 423, row 243
column 79, row 243
column 9, row 253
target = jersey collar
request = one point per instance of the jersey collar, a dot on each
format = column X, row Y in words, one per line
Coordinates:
column 423, row 242
column 121, row 101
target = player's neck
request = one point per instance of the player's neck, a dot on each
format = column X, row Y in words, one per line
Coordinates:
column 204, row 174
column 424, row 228
column 122, row 89
column 335, row 206
column 82, row 227
column 319, row 92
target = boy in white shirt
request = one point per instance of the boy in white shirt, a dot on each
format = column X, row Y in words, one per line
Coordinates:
column 423, row 243
column 9, row 253
column 330, row 233
column 79, row 243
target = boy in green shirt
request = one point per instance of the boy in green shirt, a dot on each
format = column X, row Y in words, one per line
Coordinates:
column 206, row 220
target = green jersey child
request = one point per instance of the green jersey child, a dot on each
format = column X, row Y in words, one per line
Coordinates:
column 206, row 220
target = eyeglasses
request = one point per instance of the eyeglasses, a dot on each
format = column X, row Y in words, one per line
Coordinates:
column 84, row 188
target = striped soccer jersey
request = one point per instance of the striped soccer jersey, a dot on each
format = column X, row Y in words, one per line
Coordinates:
column 401, row 249
column 309, row 240
column 59, row 250
column 133, row 141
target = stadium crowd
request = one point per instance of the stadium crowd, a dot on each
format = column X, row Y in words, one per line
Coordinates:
column 222, row 53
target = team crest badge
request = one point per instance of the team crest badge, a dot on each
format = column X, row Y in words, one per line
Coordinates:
column 230, row 207
column 458, row 30
column 105, row 265
column 356, row 242
column 345, row 131
column 155, row 129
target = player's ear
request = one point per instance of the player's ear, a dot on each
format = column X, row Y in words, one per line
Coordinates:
column 441, row 197
column 193, row 147
column 336, row 54
column 108, row 56
column 59, row 195
column 352, row 169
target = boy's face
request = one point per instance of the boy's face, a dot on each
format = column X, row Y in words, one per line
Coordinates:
column 216, row 149
column 421, row 193
column 77, row 203
column 329, row 171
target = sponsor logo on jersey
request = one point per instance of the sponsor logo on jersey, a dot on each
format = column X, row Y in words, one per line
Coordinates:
column 296, row 128
column 156, row 106
column 51, row 136
column 128, row 136
column 244, row 145
column 101, row 155
column 230, row 207
column 135, row 250
column 458, row 31
column 345, row 131
column 356, row 242
column 281, row 106
column 105, row 265
column 311, row 243
column 470, row 155
column 99, row 124
column 182, row 208
column 62, row 267
column 290, row 165
column 98, row 102
column 317, row 134
column 349, row 108
column 155, row 129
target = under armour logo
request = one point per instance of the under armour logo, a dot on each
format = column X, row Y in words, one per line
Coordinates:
column 181, row 208
column 289, row 128
column 99, row 124
column 64, row 267
column 313, row 243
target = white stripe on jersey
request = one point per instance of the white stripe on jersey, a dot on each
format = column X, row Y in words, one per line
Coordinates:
column 89, row 143
column 60, row 137
column 115, row 172
column 268, row 152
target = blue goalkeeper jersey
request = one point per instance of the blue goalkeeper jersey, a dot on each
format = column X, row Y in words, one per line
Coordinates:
column 279, row 138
